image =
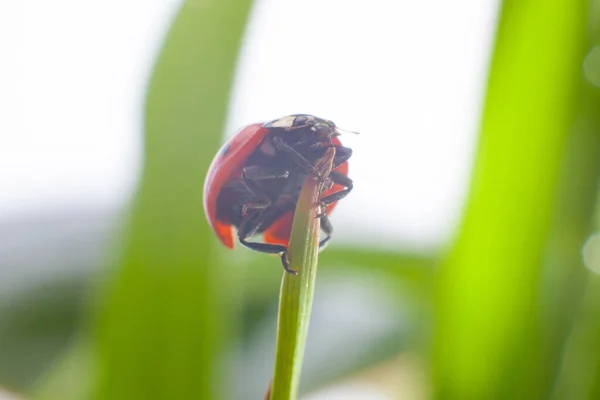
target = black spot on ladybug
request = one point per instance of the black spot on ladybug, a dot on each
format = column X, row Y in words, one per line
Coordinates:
column 225, row 149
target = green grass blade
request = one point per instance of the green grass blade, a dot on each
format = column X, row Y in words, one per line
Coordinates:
column 487, row 329
column 297, row 292
column 169, row 310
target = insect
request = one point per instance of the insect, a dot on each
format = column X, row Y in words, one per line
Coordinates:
column 255, row 179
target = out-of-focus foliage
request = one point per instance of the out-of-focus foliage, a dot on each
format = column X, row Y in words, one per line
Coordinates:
column 35, row 325
column 499, row 330
column 169, row 312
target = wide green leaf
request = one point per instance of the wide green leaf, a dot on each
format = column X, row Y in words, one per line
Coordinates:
column 169, row 309
column 488, row 293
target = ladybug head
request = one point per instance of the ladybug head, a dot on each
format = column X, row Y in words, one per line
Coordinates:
column 322, row 127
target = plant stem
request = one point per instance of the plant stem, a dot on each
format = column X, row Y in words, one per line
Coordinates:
column 296, row 295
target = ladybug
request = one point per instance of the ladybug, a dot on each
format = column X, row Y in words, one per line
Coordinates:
column 254, row 181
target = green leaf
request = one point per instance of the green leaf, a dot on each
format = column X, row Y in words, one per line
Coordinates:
column 170, row 308
column 488, row 311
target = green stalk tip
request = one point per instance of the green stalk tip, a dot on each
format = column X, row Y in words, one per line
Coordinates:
column 297, row 291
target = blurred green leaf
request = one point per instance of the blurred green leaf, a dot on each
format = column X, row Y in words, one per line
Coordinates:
column 36, row 326
column 169, row 311
column 488, row 309
column 71, row 377
column 412, row 269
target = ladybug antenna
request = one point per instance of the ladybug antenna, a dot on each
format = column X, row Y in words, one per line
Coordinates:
column 339, row 131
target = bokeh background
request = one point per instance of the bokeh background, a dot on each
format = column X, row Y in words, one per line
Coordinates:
column 464, row 265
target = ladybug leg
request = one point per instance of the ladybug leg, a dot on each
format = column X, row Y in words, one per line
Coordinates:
column 248, row 227
column 264, row 247
column 251, row 175
column 342, row 154
column 257, row 172
column 271, row 249
column 286, row 264
column 340, row 179
column 327, row 228
column 322, row 210
column 298, row 158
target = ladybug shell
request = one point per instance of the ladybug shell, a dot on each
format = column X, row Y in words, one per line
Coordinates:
column 228, row 165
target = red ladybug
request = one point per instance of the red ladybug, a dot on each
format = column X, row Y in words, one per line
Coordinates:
column 255, row 179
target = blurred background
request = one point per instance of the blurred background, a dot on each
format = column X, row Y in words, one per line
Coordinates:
column 464, row 264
